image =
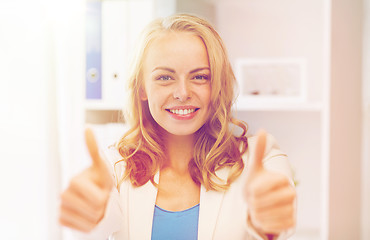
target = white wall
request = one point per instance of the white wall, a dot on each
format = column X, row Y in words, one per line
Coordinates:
column 41, row 64
column 345, row 120
column 23, row 136
column 366, row 124
column 203, row 8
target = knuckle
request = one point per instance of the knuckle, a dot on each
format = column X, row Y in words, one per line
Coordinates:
column 292, row 194
column 95, row 219
column 252, row 202
column 248, row 197
column 90, row 227
column 258, row 216
column 283, row 179
column 63, row 196
column 251, row 191
column 100, row 200
column 266, row 228
column 291, row 223
column 97, row 216
column 87, row 228
column 247, row 191
column 290, row 211
column 61, row 219
column 288, row 223
column 257, row 223
column 292, row 197
column 74, row 183
column 61, row 210
column 252, row 214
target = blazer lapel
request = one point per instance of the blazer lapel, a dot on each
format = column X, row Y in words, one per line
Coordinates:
column 141, row 203
column 141, row 209
column 210, row 205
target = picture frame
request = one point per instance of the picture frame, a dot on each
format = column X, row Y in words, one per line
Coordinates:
column 272, row 79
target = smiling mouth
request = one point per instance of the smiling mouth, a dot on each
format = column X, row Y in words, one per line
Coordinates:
column 182, row 111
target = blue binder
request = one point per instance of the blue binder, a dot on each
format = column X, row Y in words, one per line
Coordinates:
column 93, row 50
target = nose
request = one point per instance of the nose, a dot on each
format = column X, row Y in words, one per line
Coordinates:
column 182, row 91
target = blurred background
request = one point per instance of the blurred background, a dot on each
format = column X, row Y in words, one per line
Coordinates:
column 303, row 73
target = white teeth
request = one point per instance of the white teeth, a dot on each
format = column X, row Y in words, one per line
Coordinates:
column 182, row 111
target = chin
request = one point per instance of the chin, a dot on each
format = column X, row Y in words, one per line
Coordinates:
column 181, row 133
column 181, row 130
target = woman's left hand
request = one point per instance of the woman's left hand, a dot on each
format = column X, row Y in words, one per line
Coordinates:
column 269, row 195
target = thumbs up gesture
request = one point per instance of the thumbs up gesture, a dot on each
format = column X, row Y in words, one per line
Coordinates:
column 83, row 202
column 269, row 195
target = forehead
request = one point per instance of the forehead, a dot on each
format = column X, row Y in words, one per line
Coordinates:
column 176, row 48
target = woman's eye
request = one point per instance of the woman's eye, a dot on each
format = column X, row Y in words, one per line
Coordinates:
column 201, row 77
column 164, row 78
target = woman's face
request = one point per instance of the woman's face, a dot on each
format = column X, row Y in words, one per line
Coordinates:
column 177, row 79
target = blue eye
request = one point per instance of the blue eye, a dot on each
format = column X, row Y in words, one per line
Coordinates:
column 201, row 77
column 164, row 78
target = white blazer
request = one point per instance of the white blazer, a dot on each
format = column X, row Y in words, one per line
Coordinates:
column 222, row 215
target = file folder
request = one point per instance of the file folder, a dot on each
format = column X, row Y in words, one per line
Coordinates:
column 93, row 50
column 115, row 51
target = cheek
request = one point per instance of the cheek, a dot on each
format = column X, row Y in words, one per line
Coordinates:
column 208, row 101
column 155, row 101
column 206, row 95
column 158, row 95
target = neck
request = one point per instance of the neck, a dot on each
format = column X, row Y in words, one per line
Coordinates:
column 179, row 151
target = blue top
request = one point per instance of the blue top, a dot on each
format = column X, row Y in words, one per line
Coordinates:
column 182, row 225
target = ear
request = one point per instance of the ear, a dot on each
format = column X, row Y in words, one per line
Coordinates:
column 142, row 94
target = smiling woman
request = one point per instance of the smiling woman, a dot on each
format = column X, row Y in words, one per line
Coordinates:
column 180, row 170
column 181, row 64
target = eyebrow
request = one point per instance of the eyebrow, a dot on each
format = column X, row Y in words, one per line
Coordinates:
column 173, row 71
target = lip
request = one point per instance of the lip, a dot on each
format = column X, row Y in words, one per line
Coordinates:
column 188, row 116
column 182, row 107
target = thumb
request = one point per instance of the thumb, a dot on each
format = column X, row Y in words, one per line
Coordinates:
column 256, row 164
column 92, row 146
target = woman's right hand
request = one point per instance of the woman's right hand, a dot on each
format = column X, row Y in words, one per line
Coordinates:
column 83, row 203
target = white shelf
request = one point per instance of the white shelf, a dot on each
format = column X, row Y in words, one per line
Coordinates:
column 100, row 105
column 246, row 105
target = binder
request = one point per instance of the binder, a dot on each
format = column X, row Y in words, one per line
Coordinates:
column 122, row 21
column 93, row 50
column 115, row 53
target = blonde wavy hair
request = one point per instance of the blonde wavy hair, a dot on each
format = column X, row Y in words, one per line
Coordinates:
column 216, row 147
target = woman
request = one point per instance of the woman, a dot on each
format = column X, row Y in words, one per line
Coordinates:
column 181, row 172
